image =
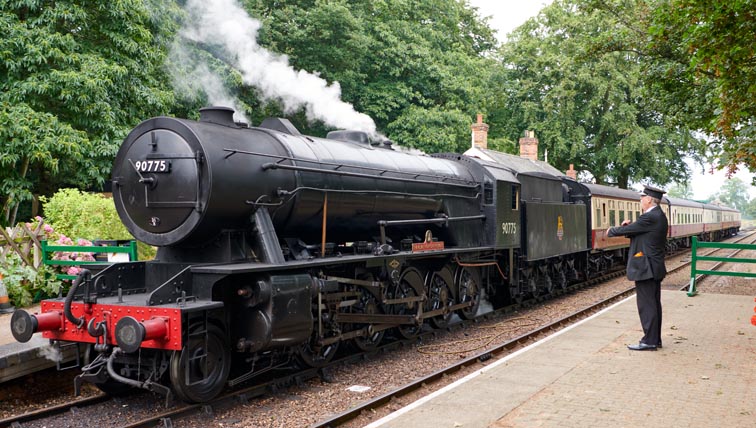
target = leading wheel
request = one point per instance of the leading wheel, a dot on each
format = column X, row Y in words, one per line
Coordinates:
column 199, row 371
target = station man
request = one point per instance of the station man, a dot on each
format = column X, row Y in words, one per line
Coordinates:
column 645, row 264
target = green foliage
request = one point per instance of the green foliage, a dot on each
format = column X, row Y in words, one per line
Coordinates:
column 750, row 209
column 26, row 284
column 432, row 130
column 79, row 214
column 699, row 64
column 395, row 60
column 680, row 191
column 75, row 76
column 90, row 216
column 734, row 193
column 587, row 103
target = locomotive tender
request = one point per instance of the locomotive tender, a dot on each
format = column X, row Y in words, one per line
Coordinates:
column 276, row 247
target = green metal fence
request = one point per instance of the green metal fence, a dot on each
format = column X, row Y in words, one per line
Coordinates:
column 120, row 247
column 719, row 245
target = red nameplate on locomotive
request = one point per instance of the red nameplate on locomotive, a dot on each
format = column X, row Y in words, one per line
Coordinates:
column 428, row 246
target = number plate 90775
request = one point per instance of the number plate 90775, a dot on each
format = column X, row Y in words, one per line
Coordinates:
column 158, row 166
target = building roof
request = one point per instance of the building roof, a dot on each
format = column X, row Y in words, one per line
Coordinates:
column 513, row 162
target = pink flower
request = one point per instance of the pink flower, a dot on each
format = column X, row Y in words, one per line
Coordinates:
column 73, row 270
column 48, row 228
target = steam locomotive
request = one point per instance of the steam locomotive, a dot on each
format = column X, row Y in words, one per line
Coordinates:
column 276, row 247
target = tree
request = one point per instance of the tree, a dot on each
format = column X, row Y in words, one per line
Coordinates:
column 734, row 193
column 75, row 77
column 680, row 191
column 404, row 63
column 700, row 64
column 588, row 106
column 750, row 209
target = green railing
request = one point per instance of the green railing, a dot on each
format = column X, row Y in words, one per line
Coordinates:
column 121, row 247
column 719, row 245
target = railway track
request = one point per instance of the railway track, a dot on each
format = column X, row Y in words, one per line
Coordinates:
column 471, row 362
column 273, row 382
column 718, row 265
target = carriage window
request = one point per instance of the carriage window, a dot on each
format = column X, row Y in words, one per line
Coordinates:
column 622, row 217
column 598, row 217
column 612, row 221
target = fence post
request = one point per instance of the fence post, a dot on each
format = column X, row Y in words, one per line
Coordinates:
column 694, row 247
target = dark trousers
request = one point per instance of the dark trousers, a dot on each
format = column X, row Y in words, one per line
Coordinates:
column 648, row 296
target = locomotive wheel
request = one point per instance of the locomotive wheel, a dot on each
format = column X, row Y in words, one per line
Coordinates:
column 313, row 355
column 561, row 278
column 548, row 284
column 411, row 279
column 368, row 305
column 468, row 287
column 199, row 371
column 440, row 295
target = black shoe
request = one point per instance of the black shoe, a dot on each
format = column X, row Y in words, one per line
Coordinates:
column 641, row 347
column 659, row 345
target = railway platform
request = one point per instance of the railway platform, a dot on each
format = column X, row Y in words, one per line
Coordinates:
column 584, row 376
column 20, row 359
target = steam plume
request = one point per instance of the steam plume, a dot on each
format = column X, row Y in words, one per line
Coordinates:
column 225, row 25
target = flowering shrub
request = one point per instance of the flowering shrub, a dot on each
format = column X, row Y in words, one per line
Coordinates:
column 70, row 256
column 60, row 239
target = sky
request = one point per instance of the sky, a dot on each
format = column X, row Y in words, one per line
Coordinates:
column 506, row 15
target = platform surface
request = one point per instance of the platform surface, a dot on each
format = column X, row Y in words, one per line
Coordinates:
column 584, row 376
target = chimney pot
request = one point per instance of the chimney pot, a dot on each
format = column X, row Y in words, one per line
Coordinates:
column 571, row 172
column 529, row 146
column 479, row 133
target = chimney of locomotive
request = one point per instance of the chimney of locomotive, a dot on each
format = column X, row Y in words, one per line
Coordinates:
column 529, row 146
column 479, row 133
column 218, row 115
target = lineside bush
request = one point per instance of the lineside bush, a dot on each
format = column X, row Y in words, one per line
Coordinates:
column 91, row 216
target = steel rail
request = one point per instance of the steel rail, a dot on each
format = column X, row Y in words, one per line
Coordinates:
column 17, row 420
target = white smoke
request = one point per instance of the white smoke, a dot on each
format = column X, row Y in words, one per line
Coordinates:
column 224, row 24
column 201, row 79
column 49, row 352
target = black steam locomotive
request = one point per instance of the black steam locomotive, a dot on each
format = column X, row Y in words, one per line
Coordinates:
column 276, row 246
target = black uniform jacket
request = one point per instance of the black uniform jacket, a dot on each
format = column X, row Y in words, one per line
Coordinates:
column 648, row 238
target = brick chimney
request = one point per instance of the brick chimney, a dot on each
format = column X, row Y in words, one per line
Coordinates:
column 529, row 146
column 571, row 172
column 479, row 133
